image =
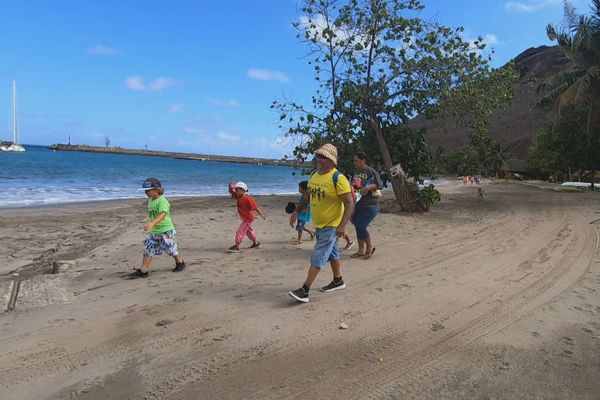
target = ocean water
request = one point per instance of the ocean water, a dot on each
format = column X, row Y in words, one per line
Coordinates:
column 42, row 177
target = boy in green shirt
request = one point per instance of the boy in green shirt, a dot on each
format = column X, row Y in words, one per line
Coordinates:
column 160, row 229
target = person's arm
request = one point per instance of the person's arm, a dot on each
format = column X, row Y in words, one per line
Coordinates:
column 232, row 190
column 155, row 221
column 348, row 211
column 260, row 212
column 254, row 206
column 372, row 186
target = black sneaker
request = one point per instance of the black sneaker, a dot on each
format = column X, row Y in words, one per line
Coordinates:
column 332, row 287
column 299, row 295
column 233, row 249
column 255, row 245
column 138, row 274
column 179, row 267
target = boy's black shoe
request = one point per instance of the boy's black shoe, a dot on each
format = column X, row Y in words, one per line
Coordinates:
column 333, row 286
column 299, row 295
column 138, row 274
column 255, row 245
column 179, row 267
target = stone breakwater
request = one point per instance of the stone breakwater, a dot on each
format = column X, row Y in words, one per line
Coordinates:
column 183, row 156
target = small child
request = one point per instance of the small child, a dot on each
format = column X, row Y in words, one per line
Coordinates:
column 304, row 217
column 160, row 231
column 245, row 205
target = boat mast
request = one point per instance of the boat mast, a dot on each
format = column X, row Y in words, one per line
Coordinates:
column 14, row 112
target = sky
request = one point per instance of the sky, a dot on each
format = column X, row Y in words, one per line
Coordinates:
column 191, row 76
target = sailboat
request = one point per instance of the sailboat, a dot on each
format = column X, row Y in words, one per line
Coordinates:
column 13, row 146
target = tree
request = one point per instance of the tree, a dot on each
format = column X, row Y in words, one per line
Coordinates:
column 484, row 155
column 566, row 147
column 545, row 159
column 379, row 65
column 579, row 40
column 106, row 141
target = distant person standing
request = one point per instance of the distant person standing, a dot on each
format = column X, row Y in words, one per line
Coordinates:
column 332, row 205
column 384, row 176
column 367, row 182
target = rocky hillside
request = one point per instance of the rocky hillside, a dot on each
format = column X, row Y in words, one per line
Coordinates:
column 515, row 126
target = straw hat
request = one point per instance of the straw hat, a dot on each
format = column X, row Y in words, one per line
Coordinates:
column 328, row 151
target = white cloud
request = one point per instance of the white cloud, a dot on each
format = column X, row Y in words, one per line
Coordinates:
column 529, row 5
column 231, row 103
column 157, row 85
column 318, row 24
column 490, row 39
column 226, row 137
column 201, row 135
column 267, row 75
column 174, row 108
column 102, row 50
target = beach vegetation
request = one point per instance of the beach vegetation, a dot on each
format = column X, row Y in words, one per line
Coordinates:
column 572, row 142
column 379, row 64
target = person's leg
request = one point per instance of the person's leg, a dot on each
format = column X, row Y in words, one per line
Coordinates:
column 151, row 248
column 146, row 263
column 299, row 229
column 358, row 226
column 239, row 235
column 251, row 233
column 326, row 240
column 169, row 245
column 368, row 216
column 369, row 245
column 312, row 275
column 311, row 233
column 336, row 268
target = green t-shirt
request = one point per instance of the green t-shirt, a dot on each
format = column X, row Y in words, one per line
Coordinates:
column 157, row 206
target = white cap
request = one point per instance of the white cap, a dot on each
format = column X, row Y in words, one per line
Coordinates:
column 241, row 185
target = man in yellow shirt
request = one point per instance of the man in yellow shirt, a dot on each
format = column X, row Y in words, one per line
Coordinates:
column 331, row 205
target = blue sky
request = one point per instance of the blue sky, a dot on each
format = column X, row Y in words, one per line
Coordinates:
column 195, row 76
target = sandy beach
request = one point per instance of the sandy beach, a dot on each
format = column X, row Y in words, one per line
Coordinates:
column 492, row 299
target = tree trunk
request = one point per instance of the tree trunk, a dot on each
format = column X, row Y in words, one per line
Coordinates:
column 406, row 193
column 593, row 179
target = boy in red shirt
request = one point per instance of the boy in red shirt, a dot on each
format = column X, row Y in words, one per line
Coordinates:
column 245, row 205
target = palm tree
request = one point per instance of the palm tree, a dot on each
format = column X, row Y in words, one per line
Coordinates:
column 579, row 40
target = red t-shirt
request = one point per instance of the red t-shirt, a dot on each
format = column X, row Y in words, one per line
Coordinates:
column 246, row 205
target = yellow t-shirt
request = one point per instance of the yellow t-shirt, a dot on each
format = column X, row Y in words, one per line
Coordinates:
column 326, row 207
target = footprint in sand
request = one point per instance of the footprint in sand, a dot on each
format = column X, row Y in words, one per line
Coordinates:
column 568, row 340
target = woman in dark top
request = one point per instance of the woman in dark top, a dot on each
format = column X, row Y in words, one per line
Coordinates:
column 366, row 181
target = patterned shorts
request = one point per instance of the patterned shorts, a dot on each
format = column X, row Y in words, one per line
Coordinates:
column 300, row 226
column 156, row 243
